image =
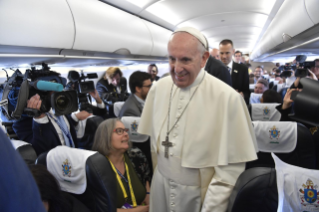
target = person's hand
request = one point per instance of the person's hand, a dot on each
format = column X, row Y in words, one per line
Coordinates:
column 312, row 75
column 96, row 96
column 35, row 103
column 142, row 208
column 287, row 101
column 296, row 82
column 83, row 115
column 241, row 93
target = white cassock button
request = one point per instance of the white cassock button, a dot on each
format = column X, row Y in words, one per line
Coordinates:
column 172, row 195
column 181, row 98
column 172, row 203
column 171, row 154
column 175, row 135
column 172, row 187
column 179, row 106
column 176, row 125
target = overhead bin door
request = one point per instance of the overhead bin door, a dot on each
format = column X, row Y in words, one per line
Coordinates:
column 312, row 6
column 103, row 28
column 160, row 37
column 291, row 19
column 36, row 23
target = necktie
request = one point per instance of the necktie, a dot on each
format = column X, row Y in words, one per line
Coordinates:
column 229, row 69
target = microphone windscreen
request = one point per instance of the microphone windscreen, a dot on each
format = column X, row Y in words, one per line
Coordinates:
column 49, row 86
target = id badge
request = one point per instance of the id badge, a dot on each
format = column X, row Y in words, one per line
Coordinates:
column 126, row 206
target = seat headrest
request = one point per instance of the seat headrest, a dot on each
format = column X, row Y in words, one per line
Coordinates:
column 117, row 108
column 252, row 86
column 277, row 137
column 68, row 167
column 265, row 112
column 297, row 187
column 255, row 98
column 132, row 123
column 17, row 143
column 88, row 125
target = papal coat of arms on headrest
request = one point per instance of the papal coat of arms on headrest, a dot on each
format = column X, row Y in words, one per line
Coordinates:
column 134, row 126
column 274, row 133
column 66, row 168
column 266, row 111
column 309, row 196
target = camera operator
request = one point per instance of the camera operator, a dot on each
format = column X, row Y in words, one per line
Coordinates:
column 112, row 87
column 46, row 131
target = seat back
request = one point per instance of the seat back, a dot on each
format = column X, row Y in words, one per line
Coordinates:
column 265, row 112
column 302, row 155
column 85, row 174
column 131, row 123
column 26, row 151
column 255, row 190
column 117, row 108
column 86, row 132
column 255, row 98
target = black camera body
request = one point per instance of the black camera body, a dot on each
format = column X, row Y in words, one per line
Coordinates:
column 82, row 88
column 41, row 82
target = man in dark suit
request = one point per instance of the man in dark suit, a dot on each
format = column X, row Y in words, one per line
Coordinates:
column 238, row 72
column 218, row 70
column 140, row 83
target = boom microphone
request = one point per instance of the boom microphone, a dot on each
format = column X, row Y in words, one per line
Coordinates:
column 46, row 86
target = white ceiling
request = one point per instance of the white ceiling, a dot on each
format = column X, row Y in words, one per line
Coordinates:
column 241, row 21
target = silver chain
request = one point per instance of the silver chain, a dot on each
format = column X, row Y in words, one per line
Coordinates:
column 169, row 107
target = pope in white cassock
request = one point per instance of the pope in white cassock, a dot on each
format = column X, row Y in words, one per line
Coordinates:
column 200, row 131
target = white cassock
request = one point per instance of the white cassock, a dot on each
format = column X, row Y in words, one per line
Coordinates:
column 211, row 143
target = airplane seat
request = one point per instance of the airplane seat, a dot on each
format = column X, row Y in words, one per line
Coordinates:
column 138, row 140
column 87, row 131
column 255, row 190
column 292, row 142
column 117, row 108
column 255, row 98
column 87, row 175
column 25, row 150
column 264, row 112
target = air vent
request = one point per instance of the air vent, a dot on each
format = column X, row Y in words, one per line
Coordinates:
column 122, row 51
column 286, row 37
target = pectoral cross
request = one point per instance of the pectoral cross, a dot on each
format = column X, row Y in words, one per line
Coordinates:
column 167, row 144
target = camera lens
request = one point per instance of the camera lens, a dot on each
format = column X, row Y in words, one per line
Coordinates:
column 62, row 102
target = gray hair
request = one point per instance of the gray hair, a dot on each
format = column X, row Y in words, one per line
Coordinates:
column 103, row 137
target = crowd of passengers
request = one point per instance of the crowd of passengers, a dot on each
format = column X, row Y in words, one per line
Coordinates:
column 111, row 138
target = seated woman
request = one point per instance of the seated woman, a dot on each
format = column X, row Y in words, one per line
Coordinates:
column 112, row 87
column 54, row 200
column 111, row 139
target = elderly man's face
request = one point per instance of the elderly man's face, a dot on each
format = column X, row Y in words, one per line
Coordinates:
column 226, row 52
column 215, row 53
column 259, row 88
column 185, row 59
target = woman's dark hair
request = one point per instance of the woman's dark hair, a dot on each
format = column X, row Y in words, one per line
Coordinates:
column 271, row 96
column 50, row 189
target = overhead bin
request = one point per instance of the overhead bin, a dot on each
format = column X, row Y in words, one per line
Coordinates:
column 103, row 28
column 312, row 7
column 293, row 18
column 160, row 37
column 36, row 23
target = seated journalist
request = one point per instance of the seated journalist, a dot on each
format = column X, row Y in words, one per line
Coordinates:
column 131, row 168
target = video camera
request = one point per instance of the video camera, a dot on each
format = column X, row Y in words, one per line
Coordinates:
column 82, row 87
column 19, row 88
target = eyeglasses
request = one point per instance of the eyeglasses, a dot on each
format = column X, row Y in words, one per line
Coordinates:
column 120, row 131
column 148, row 86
